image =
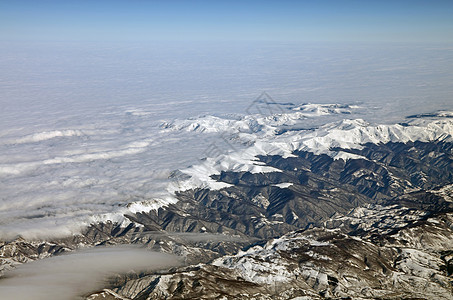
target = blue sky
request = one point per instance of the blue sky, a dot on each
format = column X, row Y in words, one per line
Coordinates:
column 317, row 20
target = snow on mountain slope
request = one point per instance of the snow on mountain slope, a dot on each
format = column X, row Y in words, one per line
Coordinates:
column 321, row 263
column 376, row 219
column 446, row 192
column 259, row 124
column 311, row 260
column 262, row 135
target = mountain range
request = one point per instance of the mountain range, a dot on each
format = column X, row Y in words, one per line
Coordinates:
column 346, row 210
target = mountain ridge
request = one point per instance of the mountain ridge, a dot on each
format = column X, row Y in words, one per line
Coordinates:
column 277, row 226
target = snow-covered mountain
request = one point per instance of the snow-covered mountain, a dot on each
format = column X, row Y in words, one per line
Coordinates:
column 282, row 134
column 287, row 210
column 412, row 258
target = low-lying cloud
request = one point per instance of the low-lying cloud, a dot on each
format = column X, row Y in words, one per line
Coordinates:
column 54, row 182
column 47, row 135
column 73, row 275
column 198, row 236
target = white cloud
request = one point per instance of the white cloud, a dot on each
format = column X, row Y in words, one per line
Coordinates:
column 47, row 135
column 73, row 275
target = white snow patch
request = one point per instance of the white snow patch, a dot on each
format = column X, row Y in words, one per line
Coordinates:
column 148, row 205
column 283, row 185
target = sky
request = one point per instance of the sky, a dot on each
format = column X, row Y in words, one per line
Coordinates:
column 203, row 20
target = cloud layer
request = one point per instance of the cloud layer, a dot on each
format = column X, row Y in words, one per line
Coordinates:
column 73, row 275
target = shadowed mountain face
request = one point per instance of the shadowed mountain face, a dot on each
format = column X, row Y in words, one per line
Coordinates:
column 378, row 225
column 310, row 188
